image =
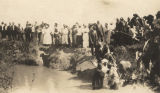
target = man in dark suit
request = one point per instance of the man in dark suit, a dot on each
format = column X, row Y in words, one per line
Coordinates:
column 13, row 31
column 74, row 35
column 2, row 29
column 9, row 29
column 100, row 32
column 5, row 31
column 93, row 37
column 28, row 31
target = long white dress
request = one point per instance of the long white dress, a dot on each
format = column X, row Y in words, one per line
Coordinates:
column 85, row 38
column 47, row 36
column 65, row 36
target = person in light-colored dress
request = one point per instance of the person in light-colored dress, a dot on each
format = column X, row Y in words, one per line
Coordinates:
column 47, row 40
column 64, row 32
column 85, row 36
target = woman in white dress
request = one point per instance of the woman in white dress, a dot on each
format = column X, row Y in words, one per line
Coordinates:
column 85, row 37
column 47, row 40
column 65, row 35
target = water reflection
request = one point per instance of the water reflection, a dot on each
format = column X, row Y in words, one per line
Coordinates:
column 30, row 79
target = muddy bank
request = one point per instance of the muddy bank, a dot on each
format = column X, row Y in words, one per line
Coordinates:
column 20, row 52
column 11, row 54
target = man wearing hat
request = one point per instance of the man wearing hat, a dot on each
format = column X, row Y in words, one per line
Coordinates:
column 74, row 35
column 56, row 34
column 100, row 32
column 2, row 29
column 9, row 28
column 93, row 38
column 33, row 33
column 28, row 31
column 5, row 31
column 14, row 31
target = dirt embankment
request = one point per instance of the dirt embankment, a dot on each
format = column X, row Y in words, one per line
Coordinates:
column 12, row 53
column 78, row 61
column 9, row 53
column 66, row 59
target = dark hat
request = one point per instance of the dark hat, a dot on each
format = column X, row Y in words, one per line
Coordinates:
column 99, row 66
column 29, row 24
column 135, row 15
column 55, row 23
column 145, row 17
column 106, row 23
column 121, row 19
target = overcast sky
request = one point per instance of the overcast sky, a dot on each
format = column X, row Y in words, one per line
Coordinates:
column 70, row 11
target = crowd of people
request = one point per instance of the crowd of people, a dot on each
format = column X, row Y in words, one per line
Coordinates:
column 76, row 36
column 79, row 35
column 94, row 36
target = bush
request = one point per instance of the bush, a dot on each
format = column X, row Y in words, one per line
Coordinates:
column 60, row 60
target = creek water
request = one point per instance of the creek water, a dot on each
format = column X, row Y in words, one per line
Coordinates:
column 39, row 79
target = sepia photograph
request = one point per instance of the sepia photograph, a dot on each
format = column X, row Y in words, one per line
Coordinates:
column 79, row 46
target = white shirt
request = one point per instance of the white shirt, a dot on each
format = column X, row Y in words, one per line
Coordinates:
column 43, row 30
column 13, row 27
column 111, row 27
column 2, row 27
column 33, row 28
column 65, row 31
column 5, row 28
column 85, row 30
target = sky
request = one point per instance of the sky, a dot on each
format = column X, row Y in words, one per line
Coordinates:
column 72, row 11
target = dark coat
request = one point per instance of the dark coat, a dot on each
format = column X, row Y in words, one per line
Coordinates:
column 97, row 80
column 100, row 32
column 28, row 30
column 0, row 28
column 93, row 37
column 9, row 28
